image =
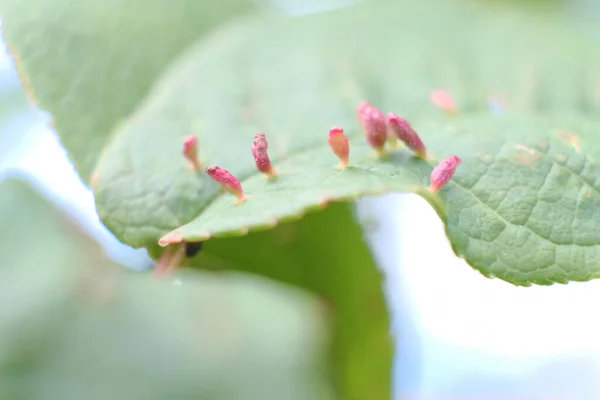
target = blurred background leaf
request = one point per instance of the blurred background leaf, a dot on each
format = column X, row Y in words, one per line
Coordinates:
column 74, row 326
column 325, row 253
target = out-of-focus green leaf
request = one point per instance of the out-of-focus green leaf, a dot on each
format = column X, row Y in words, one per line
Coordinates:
column 74, row 326
column 91, row 63
column 325, row 253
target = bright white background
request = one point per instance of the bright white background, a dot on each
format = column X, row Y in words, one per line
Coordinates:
column 459, row 334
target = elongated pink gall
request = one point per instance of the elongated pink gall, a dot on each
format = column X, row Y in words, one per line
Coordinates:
column 190, row 152
column 261, row 156
column 403, row 131
column 227, row 181
column 374, row 126
column 443, row 172
column 339, row 145
column 442, row 99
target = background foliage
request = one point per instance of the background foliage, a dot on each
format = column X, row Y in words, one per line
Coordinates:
column 127, row 81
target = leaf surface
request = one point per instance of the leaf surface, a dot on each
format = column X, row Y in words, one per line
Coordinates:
column 229, row 87
column 90, row 63
column 294, row 79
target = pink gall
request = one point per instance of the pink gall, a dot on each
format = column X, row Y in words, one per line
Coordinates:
column 374, row 126
column 443, row 100
column 190, row 152
column 443, row 172
column 403, row 131
column 261, row 156
column 339, row 145
column 227, row 181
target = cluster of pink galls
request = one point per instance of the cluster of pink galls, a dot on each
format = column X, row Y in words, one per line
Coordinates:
column 378, row 128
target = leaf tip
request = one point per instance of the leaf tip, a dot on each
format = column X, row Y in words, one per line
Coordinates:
column 170, row 238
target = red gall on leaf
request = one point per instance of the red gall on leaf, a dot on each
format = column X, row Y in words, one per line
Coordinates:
column 190, row 151
column 442, row 99
column 339, row 145
column 443, row 172
column 261, row 156
column 403, row 131
column 374, row 125
column 227, row 181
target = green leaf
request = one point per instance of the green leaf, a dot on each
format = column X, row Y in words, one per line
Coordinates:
column 346, row 276
column 524, row 209
column 75, row 326
column 294, row 79
column 91, row 63
column 324, row 253
column 233, row 85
